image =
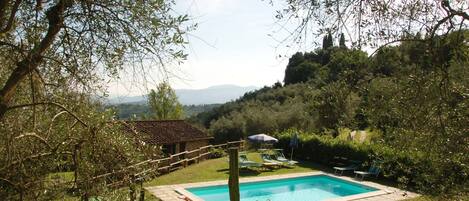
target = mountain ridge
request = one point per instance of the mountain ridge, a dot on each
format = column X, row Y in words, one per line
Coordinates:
column 211, row 95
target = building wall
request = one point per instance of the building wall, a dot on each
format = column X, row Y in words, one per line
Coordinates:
column 195, row 144
column 178, row 147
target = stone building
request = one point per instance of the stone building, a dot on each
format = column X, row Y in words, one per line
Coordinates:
column 174, row 136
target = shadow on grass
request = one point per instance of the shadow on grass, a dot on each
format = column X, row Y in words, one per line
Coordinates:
column 223, row 170
column 248, row 173
column 314, row 166
column 243, row 172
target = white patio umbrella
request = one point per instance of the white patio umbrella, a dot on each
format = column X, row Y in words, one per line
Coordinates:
column 262, row 138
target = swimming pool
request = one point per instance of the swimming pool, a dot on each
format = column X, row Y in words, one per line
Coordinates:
column 307, row 188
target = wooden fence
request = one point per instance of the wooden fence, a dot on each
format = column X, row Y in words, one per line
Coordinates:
column 128, row 175
column 168, row 164
column 185, row 158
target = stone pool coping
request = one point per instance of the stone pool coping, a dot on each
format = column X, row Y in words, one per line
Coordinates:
column 177, row 192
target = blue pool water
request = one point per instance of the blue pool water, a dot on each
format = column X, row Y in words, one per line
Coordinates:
column 309, row 188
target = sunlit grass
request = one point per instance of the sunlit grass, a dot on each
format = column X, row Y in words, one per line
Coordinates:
column 117, row 194
column 217, row 169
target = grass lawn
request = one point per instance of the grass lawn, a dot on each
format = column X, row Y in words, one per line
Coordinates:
column 217, row 169
column 209, row 170
column 119, row 194
column 61, row 176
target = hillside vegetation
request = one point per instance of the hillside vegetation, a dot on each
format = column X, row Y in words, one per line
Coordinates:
column 412, row 94
column 412, row 97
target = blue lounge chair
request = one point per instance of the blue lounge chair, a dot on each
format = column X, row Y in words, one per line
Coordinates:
column 268, row 162
column 244, row 162
column 281, row 158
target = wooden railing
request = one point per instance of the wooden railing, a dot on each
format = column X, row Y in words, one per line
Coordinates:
column 185, row 158
column 134, row 174
column 173, row 162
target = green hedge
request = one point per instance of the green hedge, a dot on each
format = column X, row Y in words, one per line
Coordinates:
column 421, row 171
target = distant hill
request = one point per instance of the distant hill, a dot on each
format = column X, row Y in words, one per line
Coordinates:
column 212, row 95
column 128, row 111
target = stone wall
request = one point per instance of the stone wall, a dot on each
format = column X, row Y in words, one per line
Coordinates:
column 195, row 144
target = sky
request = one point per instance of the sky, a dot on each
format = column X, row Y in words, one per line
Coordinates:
column 236, row 42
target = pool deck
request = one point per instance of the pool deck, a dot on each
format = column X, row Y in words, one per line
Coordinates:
column 177, row 192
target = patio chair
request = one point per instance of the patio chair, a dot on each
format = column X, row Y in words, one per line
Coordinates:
column 372, row 171
column 281, row 158
column 244, row 162
column 351, row 167
column 268, row 162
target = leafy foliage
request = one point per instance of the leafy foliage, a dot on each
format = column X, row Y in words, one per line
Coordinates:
column 335, row 106
column 414, row 95
column 164, row 103
column 328, row 64
column 419, row 170
column 63, row 143
column 217, row 153
column 55, row 57
column 371, row 23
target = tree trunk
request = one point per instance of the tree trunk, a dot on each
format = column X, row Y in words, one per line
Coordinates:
column 55, row 17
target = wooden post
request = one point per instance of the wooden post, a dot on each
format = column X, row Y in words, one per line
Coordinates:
column 142, row 191
column 233, row 181
column 132, row 188
column 157, row 166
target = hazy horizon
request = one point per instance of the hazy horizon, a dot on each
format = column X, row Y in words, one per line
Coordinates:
column 217, row 94
column 236, row 42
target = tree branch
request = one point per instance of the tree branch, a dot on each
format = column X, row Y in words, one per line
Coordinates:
column 13, row 46
column 50, row 103
column 11, row 18
column 392, row 42
column 34, row 157
column 55, row 17
column 3, row 5
column 35, row 136
column 9, row 182
column 447, row 6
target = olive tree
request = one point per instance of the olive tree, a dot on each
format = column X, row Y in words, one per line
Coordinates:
column 76, row 43
column 423, row 104
column 373, row 22
column 54, row 56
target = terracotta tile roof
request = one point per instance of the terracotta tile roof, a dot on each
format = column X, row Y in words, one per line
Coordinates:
column 165, row 131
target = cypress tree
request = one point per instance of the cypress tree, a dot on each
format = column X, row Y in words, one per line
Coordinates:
column 330, row 42
column 324, row 42
column 342, row 41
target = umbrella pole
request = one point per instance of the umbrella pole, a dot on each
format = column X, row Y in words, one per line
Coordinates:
column 291, row 154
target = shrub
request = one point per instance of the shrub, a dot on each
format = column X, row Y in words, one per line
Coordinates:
column 422, row 171
column 217, row 153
